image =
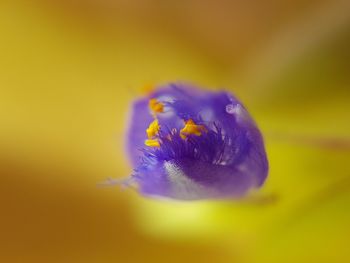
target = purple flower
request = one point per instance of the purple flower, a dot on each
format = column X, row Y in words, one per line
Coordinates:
column 187, row 143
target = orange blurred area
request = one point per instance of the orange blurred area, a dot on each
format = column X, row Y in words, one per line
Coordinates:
column 68, row 73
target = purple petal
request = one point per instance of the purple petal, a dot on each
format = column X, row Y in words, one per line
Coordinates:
column 140, row 119
column 225, row 161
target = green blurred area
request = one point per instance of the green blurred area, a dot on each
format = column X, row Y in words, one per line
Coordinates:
column 68, row 73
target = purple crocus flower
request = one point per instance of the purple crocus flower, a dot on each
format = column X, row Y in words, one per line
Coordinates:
column 188, row 144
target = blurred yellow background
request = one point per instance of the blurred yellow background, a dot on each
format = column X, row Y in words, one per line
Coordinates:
column 68, row 73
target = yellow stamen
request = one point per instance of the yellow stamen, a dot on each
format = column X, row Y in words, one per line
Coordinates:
column 191, row 128
column 156, row 106
column 148, row 88
column 153, row 129
column 152, row 143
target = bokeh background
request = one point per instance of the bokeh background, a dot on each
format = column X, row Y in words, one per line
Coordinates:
column 68, row 73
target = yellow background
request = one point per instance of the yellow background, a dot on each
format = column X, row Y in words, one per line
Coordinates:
column 68, row 73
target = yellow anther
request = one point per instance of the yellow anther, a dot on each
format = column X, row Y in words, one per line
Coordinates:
column 153, row 129
column 152, row 143
column 191, row 128
column 148, row 88
column 156, row 106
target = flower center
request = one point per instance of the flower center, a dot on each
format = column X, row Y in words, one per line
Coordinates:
column 190, row 128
